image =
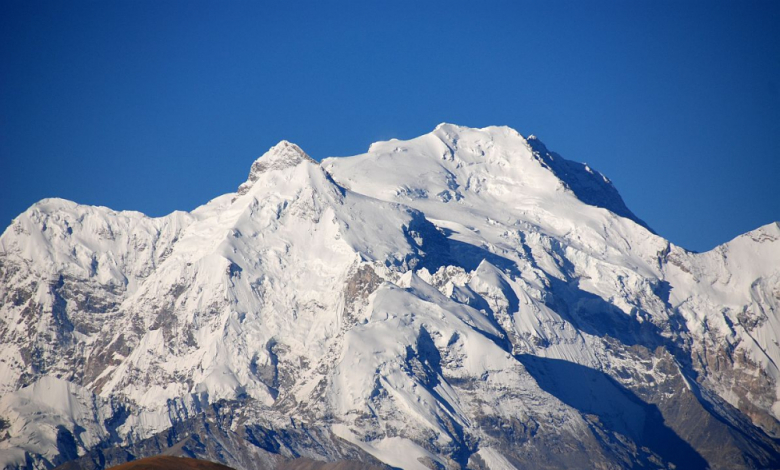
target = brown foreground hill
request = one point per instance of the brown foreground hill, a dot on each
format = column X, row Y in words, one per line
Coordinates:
column 167, row 462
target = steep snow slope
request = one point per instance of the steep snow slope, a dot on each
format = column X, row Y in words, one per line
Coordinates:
column 243, row 286
column 60, row 257
column 262, row 267
column 465, row 299
column 498, row 200
column 564, row 226
column 730, row 299
column 45, row 417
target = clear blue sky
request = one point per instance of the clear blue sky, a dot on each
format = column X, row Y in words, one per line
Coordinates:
column 157, row 106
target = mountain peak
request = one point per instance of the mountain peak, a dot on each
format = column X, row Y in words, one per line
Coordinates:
column 453, row 161
column 282, row 155
column 432, row 303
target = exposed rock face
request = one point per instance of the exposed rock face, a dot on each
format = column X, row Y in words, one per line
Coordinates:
column 466, row 299
column 214, row 435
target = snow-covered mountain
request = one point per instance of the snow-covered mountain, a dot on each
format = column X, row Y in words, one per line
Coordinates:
column 465, row 299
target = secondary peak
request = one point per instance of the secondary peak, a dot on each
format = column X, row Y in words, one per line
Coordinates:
column 282, row 155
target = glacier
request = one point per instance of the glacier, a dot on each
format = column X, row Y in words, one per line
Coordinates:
column 464, row 299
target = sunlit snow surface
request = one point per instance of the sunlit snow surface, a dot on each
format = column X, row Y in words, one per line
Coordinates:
column 390, row 296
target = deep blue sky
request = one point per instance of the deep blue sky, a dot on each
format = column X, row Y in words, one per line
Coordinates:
column 157, row 106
